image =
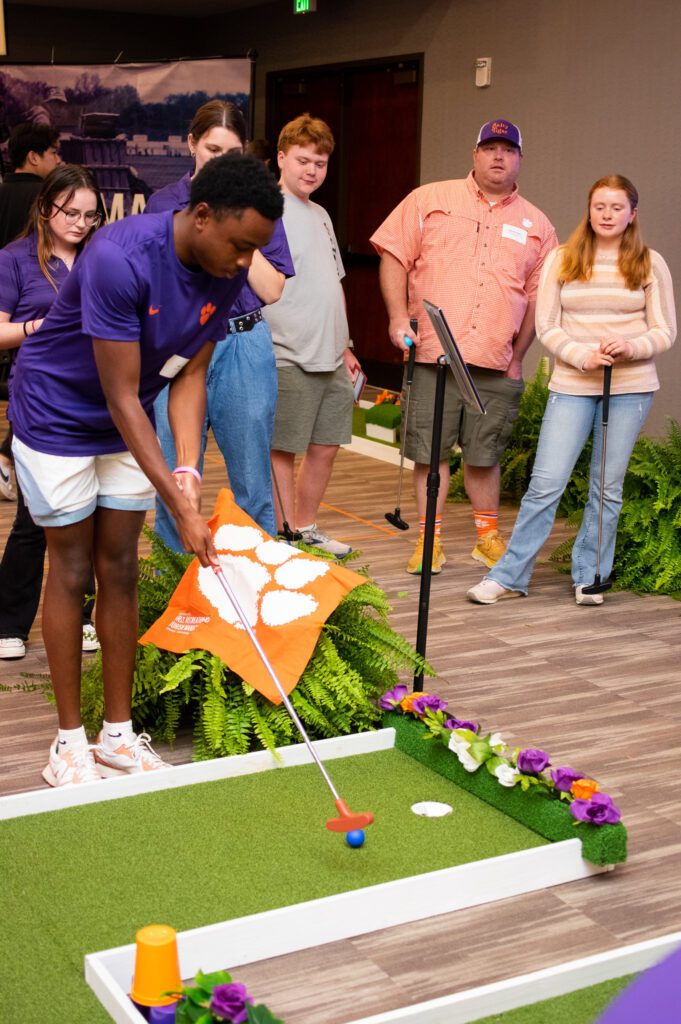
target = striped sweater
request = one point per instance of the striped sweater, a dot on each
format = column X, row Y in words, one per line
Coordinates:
column 572, row 318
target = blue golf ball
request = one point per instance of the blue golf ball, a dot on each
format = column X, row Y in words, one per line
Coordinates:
column 355, row 838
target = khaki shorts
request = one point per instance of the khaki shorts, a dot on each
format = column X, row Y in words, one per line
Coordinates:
column 482, row 439
column 312, row 408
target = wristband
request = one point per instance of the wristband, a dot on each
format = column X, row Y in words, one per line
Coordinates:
column 24, row 325
column 188, row 469
column 33, row 326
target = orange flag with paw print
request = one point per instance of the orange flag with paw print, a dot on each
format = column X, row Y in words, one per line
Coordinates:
column 286, row 594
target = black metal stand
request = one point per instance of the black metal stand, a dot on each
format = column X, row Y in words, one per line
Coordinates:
column 432, row 491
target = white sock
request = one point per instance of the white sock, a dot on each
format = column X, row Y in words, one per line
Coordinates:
column 115, row 733
column 71, row 738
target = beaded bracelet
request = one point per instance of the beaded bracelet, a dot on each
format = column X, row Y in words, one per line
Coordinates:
column 188, row 469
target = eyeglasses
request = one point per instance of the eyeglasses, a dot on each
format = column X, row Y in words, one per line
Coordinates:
column 73, row 216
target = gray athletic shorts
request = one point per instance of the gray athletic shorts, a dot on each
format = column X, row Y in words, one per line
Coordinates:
column 482, row 439
column 312, row 408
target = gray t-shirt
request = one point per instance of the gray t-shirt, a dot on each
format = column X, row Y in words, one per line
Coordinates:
column 308, row 323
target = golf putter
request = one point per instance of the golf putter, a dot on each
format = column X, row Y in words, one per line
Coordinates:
column 598, row 586
column 286, row 532
column 346, row 821
column 394, row 518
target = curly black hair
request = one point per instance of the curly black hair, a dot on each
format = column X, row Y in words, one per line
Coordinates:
column 233, row 183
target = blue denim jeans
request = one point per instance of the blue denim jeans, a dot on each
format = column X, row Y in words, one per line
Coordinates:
column 568, row 421
column 241, row 386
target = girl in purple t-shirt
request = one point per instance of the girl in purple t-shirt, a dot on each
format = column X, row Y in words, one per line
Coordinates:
column 32, row 270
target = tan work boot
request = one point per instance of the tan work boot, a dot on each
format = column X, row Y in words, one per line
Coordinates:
column 489, row 548
column 415, row 563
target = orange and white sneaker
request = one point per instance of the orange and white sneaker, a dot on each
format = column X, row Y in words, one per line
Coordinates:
column 489, row 549
column 134, row 754
column 70, row 764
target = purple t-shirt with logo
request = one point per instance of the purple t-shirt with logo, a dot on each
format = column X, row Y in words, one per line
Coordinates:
column 128, row 285
column 25, row 292
column 176, row 197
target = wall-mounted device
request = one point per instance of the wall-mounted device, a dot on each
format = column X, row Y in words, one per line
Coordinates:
column 483, row 71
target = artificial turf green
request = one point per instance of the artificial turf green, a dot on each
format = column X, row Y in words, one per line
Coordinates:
column 86, row 878
column 601, row 844
column 580, row 1007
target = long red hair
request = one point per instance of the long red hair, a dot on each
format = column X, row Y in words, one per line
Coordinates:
column 579, row 251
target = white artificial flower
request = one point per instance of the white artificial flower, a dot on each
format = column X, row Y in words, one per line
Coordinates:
column 496, row 742
column 506, row 775
column 460, row 747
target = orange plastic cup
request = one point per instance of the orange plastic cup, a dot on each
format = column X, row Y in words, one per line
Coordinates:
column 157, row 966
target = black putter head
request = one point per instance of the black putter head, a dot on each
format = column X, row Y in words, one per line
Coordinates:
column 289, row 535
column 396, row 520
column 597, row 587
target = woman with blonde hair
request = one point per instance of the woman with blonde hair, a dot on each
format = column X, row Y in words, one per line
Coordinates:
column 605, row 300
column 66, row 212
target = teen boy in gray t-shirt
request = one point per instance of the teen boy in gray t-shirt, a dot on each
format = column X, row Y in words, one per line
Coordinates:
column 315, row 361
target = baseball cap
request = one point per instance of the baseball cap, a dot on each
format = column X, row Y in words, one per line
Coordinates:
column 501, row 129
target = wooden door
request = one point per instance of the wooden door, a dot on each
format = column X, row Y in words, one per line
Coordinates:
column 373, row 109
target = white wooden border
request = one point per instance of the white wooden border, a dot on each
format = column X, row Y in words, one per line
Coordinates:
column 40, row 801
column 376, row 450
column 102, row 971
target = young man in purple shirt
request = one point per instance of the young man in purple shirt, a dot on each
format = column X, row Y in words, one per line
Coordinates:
column 241, row 381
column 142, row 307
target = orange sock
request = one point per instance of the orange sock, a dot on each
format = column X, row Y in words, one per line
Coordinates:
column 486, row 522
column 438, row 526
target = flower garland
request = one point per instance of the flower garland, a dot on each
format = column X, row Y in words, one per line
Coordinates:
column 525, row 768
column 216, row 998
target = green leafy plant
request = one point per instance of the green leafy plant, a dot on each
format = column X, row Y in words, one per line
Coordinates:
column 356, row 655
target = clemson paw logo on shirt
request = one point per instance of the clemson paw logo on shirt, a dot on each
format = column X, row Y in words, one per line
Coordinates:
column 273, row 582
column 206, row 313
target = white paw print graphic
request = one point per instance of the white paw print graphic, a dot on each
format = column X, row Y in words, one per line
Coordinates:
column 253, row 562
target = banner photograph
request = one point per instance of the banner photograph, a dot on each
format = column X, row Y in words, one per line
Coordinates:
column 127, row 122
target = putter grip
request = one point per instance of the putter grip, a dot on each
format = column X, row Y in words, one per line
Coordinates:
column 607, row 376
column 414, row 324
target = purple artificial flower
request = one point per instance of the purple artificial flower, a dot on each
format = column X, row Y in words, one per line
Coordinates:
column 393, row 697
column 228, row 1002
column 429, row 702
column 599, row 810
column 564, row 777
column 531, row 762
column 461, row 723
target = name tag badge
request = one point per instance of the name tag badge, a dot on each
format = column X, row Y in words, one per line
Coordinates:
column 172, row 367
column 517, row 234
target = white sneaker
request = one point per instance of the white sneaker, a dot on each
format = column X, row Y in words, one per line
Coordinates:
column 12, row 647
column 90, row 641
column 489, row 592
column 315, row 538
column 7, row 492
column 582, row 598
column 134, row 754
column 69, row 765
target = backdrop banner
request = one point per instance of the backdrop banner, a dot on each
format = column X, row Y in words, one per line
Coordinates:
column 127, row 122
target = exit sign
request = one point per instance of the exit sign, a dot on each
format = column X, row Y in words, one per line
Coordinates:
column 304, row 6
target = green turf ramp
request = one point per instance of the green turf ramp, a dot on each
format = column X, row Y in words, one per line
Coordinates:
column 601, row 844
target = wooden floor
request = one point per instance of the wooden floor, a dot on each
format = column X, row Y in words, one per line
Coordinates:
column 599, row 688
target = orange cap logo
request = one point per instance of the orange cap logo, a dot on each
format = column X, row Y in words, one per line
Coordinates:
column 206, row 313
column 499, row 128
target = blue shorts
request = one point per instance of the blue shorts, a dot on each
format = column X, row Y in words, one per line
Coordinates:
column 64, row 489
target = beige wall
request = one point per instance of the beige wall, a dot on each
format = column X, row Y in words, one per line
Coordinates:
column 594, row 84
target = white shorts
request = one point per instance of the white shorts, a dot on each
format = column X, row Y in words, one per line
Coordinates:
column 64, row 489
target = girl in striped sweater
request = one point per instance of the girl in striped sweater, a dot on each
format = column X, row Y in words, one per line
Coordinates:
column 605, row 299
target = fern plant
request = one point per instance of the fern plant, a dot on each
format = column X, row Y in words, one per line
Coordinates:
column 357, row 657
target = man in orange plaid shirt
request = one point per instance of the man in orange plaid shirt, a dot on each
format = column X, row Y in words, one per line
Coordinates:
column 474, row 247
